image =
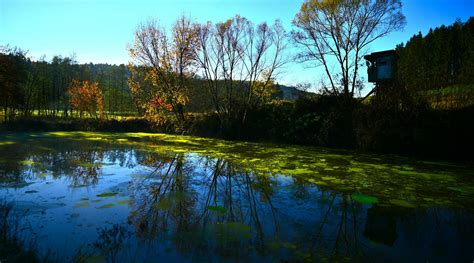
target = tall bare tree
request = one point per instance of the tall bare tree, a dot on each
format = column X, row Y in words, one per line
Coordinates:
column 264, row 57
column 336, row 34
column 239, row 62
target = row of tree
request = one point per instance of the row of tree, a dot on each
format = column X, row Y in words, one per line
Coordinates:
column 41, row 87
column 230, row 67
column 235, row 60
column 238, row 61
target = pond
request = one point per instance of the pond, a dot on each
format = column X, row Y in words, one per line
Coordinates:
column 134, row 197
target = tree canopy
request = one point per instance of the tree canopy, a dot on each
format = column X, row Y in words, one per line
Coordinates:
column 335, row 34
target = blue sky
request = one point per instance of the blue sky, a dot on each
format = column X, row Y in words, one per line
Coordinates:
column 99, row 30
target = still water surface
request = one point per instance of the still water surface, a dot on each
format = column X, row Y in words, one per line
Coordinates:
column 135, row 197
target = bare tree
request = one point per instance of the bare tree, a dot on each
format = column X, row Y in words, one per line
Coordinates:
column 263, row 58
column 220, row 59
column 239, row 62
column 336, row 34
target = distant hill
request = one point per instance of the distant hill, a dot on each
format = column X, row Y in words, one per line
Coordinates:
column 290, row 93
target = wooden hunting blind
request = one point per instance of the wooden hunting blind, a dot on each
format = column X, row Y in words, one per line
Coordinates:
column 381, row 65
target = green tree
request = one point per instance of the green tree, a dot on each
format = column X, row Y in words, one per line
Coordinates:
column 13, row 72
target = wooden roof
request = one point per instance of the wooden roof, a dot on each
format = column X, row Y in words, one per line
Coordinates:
column 375, row 55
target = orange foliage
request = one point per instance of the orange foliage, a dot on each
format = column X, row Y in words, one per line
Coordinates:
column 86, row 96
column 159, row 102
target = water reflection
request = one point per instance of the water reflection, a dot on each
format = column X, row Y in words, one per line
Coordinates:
column 125, row 203
column 381, row 225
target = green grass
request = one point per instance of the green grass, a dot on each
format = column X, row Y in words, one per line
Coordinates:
column 119, row 116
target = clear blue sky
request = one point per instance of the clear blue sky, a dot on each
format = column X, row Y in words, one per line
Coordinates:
column 99, row 30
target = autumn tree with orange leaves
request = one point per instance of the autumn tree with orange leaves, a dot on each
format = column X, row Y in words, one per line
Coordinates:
column 162, row 66
column 85, row 96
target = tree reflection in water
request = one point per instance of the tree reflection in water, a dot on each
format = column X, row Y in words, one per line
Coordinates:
column 225, row 211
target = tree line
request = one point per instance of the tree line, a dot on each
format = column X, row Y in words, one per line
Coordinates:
column 40, row 88
column 239, row 61
column 443, row 57
column 236, row 60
